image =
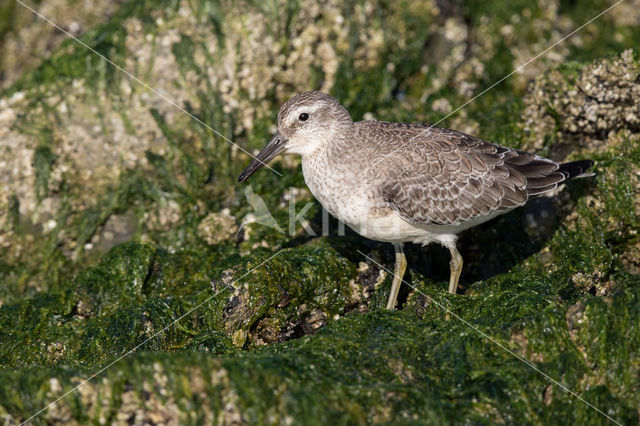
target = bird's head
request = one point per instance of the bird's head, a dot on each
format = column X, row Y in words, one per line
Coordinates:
column 306, row 122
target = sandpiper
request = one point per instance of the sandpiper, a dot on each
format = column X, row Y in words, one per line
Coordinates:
column 399, row 183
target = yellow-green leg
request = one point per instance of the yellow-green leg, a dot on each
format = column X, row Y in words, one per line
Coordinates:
column 398, row 273
column 456, row 269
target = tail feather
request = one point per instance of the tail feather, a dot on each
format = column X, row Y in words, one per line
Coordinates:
column 576, row 169
column 538, row 185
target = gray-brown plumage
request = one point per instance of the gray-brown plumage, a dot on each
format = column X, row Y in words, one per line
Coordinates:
column 445, row 177
column 406, row 182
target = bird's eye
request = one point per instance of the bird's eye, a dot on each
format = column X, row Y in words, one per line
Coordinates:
column 303, row 117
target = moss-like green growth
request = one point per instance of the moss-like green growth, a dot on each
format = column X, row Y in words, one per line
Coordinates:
column 378, row 367
column 136, row 293
column 128, row 237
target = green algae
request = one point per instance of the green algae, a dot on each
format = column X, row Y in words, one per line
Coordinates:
column 375, row 368
column 136, row 291
column 563, row 300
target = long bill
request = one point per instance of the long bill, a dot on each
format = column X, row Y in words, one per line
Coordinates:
column 274, row 147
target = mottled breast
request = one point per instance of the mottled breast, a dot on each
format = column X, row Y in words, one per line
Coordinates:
column 337, row 183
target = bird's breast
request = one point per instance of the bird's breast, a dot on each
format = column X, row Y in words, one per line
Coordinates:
column 340, row 189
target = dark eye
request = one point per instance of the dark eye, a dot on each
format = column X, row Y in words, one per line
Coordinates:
column 303, row 117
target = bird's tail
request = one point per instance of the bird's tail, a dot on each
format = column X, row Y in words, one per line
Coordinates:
column 576, row 169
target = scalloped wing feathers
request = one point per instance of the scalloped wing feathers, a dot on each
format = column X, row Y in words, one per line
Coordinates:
column 445, row 177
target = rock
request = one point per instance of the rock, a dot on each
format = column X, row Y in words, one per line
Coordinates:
column 581, row 106
column 119, row 216
column 26, row 38
column 218, row 227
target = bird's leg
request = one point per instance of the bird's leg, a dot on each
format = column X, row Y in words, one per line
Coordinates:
column 398, row 273
column 456, row 269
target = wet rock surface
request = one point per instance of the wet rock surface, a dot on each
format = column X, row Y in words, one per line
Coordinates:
column 125, row 239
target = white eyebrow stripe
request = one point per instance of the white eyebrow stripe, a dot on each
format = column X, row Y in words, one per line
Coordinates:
column 309, row 109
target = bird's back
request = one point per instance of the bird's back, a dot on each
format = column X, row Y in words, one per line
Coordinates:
column 430, row 175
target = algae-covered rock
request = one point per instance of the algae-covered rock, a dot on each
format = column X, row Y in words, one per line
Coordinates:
column 128, row 251
column 25, row 38
column 137, row 292
column 218, row 227
column 376, row 367
column 580, row 106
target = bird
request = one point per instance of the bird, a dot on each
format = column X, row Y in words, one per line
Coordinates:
column 404, row 182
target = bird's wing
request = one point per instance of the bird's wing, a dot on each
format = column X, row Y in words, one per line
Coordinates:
column 447, row 177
